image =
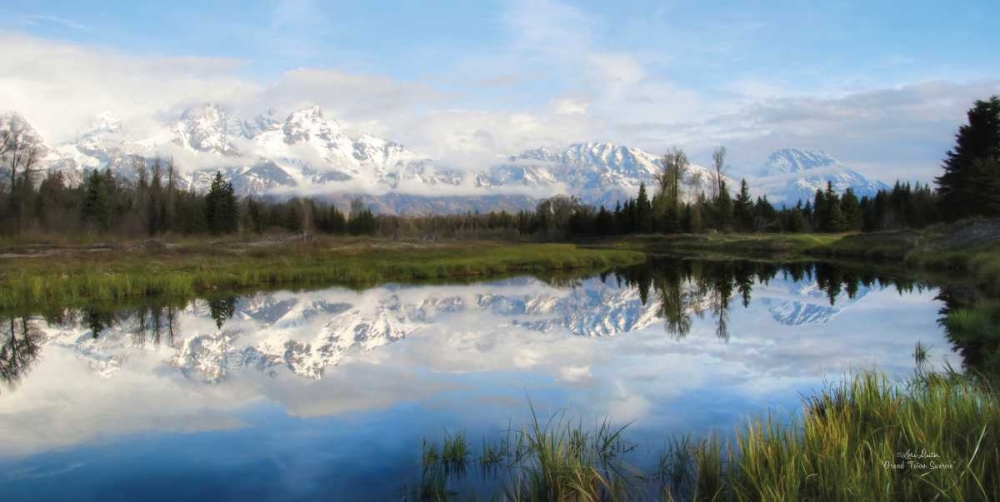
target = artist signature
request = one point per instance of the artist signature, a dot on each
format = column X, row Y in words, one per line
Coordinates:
column 923, row 460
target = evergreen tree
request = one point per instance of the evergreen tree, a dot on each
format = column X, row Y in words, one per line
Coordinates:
column 604, row 222
column 765, row 218
column 834, row 221
column 743, row 209
column 221, row 212
column 362, row 220
column 96, row 210
column 850, row 209
column 697, row 220
column 820, row 211
column 255, row 221
column 970, row 169
column 723, row 209
column 643, row 211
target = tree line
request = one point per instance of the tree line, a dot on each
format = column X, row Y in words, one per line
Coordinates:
column 150, row 202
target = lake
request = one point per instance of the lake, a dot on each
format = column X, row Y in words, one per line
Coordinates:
column 329, row 393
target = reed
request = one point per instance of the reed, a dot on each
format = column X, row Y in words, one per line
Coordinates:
column 931, row 437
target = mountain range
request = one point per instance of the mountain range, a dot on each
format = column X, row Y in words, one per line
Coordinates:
column 307, row 153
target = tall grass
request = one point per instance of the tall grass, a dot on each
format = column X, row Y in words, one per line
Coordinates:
column 191, row 271
column 932, row 437
column 547, row 460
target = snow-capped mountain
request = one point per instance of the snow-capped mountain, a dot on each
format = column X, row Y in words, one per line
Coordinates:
column 598, row 173
column 311, row 154
column 791, row 175
column 308, row 153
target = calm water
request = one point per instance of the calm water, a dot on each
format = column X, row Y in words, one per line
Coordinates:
column 328, row 394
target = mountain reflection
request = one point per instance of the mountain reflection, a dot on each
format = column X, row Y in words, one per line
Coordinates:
column 815, row 292
column 306, row 333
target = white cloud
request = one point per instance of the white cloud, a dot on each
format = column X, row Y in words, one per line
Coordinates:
column 553, row 84
column 60, row 87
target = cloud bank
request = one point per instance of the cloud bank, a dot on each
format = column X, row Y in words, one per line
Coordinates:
column 555, row 83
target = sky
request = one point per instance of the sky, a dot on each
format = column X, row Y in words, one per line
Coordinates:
column 880, row 85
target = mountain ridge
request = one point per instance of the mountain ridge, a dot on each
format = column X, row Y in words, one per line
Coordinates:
column 308, row 153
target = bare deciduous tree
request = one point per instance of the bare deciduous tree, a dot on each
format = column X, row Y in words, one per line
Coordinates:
column 19, row 149
column 675, row 164
column 719, row 164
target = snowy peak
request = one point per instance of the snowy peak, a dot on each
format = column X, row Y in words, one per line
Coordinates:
column 793, row 160
column 209, row 128
column 307, row 125
column 598, row 173
column 792, row 175
column 103, row 123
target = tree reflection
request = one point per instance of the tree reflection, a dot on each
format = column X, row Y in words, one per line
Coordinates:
column 688, row 288
column 20, row 348
column 222, row 309
column 972, row 325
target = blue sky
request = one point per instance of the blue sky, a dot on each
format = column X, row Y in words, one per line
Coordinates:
column 879, row 85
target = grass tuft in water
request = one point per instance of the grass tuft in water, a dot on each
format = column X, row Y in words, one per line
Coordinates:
column 931, row 437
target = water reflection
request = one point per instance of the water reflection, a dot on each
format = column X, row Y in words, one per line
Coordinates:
column 309, row 379
column 309, row 332
column 20, row 350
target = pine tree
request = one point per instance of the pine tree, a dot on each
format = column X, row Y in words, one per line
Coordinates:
column 723, row 209
column 95, row 211
column 820, row 211
column 603, row 222
column 850, row 209
column 697, row 221
column 743, row 209
column 965, row 186
column 834, row 217
column 256, row 222
column 644, row 211
column 221, row 212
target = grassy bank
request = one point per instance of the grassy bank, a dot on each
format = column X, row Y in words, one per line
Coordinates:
column 779, row 246
column 193, row 269
column 930, row 438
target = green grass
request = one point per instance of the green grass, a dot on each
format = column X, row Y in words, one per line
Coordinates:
column 199, row 269
column 729, row 245
column 932, row 437
column 543, row 461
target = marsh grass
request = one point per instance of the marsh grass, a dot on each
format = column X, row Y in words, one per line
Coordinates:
column 920, row 354
column 730, row 245
column 196, row 270
column 547, row 460
column 931, row 437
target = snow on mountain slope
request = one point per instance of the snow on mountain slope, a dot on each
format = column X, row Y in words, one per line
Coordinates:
column 308, row 153
column 791, row 175
column 598, row 173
